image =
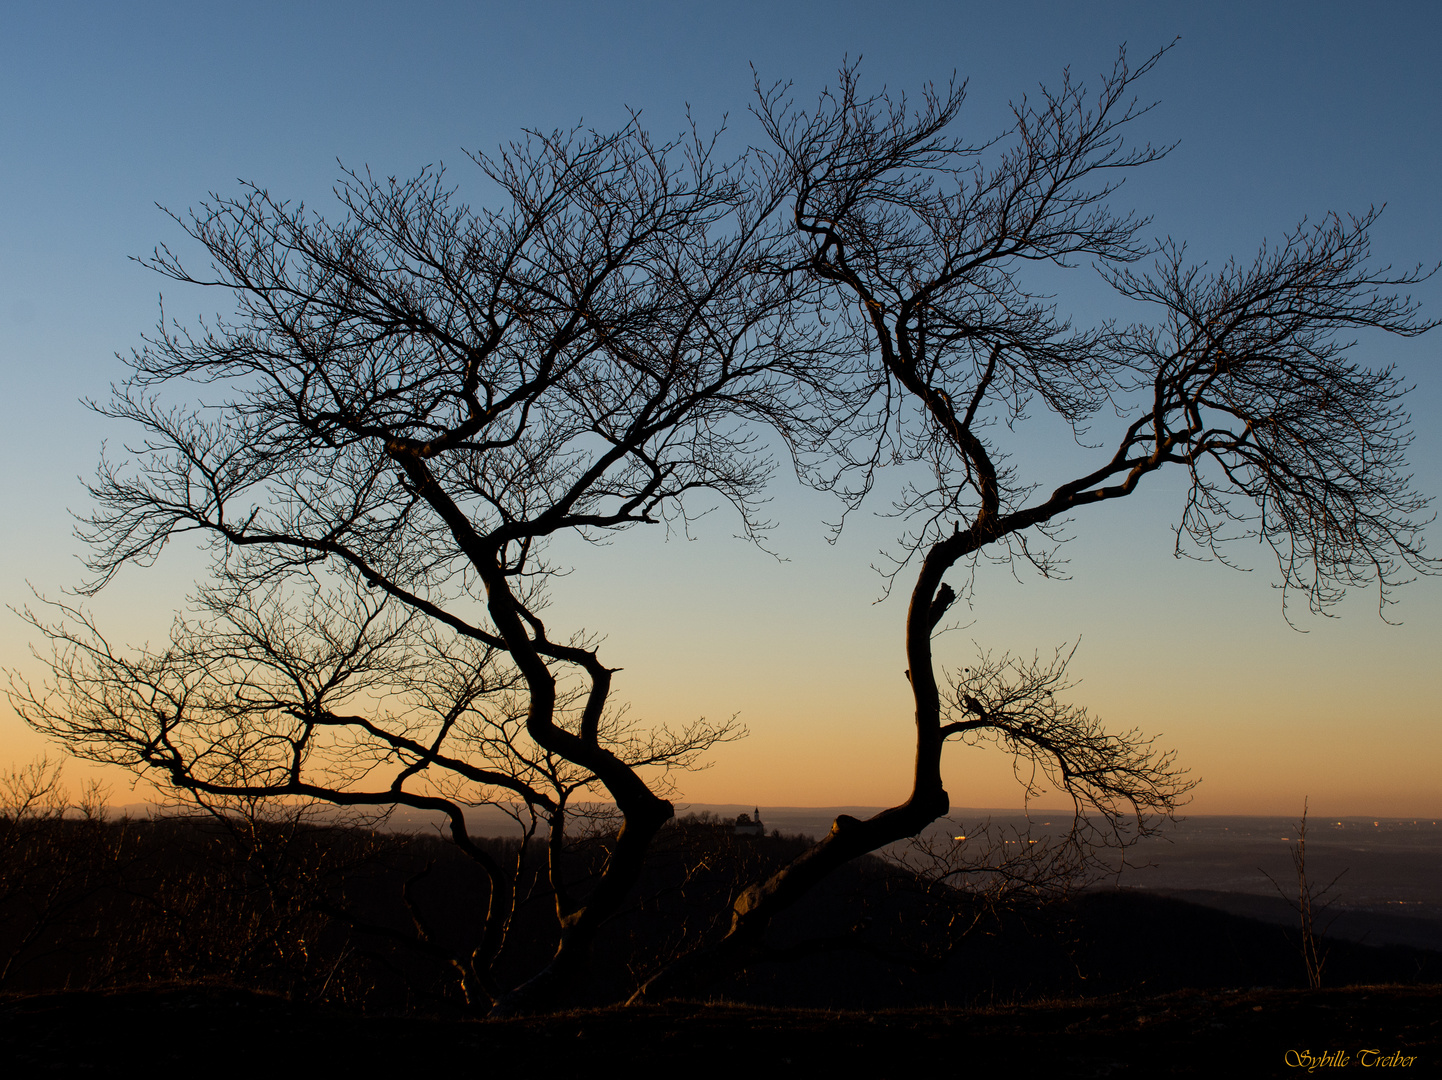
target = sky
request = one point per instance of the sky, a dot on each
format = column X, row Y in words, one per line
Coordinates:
column 1279, row 112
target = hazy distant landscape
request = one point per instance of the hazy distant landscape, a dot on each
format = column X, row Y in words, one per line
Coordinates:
column 1387, row 871
column 1387, row 865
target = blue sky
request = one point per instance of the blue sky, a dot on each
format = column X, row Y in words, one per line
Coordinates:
column 1279, row 111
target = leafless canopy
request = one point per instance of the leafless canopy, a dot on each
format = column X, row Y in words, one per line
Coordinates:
column 1245, row 377
column 405, row 406
column 928, row 246
column 409, row 402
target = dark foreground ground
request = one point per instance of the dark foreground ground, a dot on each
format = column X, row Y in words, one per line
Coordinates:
column 225, row 1031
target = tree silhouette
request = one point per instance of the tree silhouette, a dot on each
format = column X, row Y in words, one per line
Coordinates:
column 410, row 402
column 407, row 405
column 927, row 245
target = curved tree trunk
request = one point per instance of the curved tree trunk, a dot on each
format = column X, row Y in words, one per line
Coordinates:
column 849, row 838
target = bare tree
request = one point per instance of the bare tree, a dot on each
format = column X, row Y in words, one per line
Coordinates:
column 1244, row 379
column 411, row 402
column 1312, row 903
column 406, row 406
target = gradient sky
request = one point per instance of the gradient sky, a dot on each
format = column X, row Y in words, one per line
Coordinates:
column 1280, row 110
